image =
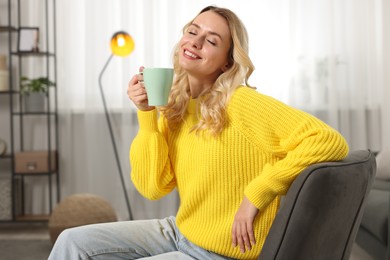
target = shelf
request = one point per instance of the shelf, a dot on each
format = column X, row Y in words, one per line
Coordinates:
column 26, row 218
column 19, row 120
column 5, row 92
column 7, row 156
column 33, row 54
column 33, row 113
column 4, row 29
column 35, row 173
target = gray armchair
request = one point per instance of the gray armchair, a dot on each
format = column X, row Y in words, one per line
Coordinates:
column 322, row 211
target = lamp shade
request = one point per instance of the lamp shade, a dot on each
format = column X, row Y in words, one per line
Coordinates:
column 122, row 44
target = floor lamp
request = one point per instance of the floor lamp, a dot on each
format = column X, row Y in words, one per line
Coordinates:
column 121, row 45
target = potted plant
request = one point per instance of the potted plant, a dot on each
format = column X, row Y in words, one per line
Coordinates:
column 34, row 91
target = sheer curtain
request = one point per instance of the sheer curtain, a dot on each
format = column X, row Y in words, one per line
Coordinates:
column 337, row 54
column 321, row 56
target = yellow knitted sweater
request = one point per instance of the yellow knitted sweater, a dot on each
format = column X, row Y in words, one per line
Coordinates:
column 260, row 152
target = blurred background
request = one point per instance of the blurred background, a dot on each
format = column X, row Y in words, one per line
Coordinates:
column 327, row 57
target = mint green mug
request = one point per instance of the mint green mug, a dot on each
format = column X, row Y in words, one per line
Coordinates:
column 158, row 83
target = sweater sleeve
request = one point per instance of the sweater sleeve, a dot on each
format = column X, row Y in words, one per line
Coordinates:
column 151, row 170
column 296, row 138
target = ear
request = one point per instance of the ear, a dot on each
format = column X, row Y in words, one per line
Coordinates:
column 225, row 67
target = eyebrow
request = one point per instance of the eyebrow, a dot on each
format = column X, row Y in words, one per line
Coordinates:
column 210, row 32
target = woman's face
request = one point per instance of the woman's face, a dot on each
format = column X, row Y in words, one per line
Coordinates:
column 204, row 47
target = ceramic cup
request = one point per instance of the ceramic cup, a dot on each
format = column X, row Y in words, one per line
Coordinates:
column 158, row 83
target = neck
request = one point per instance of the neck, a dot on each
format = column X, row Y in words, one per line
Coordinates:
column 197, row 87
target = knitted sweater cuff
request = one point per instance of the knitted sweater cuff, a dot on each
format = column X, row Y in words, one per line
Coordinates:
column 259, row 194
column 147, row 120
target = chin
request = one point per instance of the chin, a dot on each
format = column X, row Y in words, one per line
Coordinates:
column 185, row 66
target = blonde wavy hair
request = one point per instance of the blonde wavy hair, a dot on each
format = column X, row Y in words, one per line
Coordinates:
column 213, row 101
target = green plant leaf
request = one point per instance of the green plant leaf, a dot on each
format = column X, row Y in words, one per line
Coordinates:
column 40, row 84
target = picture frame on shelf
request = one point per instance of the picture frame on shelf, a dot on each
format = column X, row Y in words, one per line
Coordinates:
column 28, row 39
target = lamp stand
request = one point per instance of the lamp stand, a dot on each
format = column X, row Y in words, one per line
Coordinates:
column 113, row 138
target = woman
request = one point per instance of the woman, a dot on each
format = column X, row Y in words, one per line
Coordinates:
column 230, row 152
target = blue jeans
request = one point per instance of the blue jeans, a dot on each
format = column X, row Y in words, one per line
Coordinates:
column 147, row 239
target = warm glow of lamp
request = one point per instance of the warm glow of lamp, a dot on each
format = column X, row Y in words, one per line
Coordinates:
column 122, row 44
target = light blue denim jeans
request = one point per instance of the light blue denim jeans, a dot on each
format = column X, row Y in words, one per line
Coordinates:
column 140, row 239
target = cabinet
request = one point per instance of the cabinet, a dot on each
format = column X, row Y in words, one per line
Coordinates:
column 29, row 170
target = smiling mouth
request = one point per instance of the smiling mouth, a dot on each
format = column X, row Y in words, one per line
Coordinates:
column 190, row 54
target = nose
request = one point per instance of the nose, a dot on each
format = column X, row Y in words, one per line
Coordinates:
column 196, row 42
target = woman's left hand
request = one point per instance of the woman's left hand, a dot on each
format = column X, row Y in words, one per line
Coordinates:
column 242, row 231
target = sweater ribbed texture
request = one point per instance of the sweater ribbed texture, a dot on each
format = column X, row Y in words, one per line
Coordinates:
column 260, row 152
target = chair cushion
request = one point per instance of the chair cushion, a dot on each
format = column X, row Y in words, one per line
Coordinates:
column 376, row 214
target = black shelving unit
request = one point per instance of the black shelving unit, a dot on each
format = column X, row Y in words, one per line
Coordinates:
column 20, row 120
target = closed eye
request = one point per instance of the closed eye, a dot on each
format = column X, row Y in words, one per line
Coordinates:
column 211, row 42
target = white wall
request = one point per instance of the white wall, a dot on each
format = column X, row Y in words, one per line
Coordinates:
column 386, row 96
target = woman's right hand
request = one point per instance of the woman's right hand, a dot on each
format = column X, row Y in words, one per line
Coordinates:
column 137, row 93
